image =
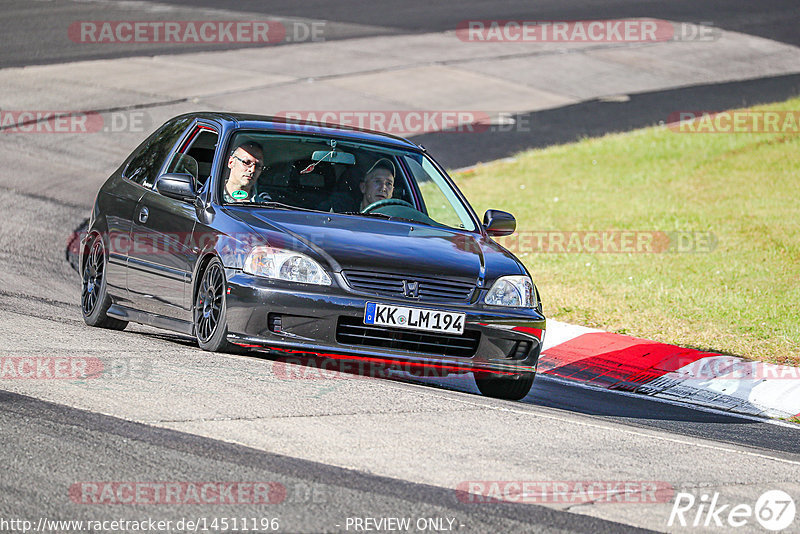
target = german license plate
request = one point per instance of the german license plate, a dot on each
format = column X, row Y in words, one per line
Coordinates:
column 414, row 318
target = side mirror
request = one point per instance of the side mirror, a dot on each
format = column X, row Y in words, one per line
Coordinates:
column 499, row 223
column 177, row 186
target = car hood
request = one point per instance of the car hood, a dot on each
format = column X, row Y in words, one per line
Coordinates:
column 380, row 245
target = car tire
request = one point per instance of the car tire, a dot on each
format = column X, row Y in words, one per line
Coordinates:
column 95, row 300
column 514, row 387
column 210, row 310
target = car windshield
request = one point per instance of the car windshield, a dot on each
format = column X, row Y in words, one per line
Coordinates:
column 339, row 176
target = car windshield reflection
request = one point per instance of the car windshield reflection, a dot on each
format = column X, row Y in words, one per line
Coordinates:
column 330, row 175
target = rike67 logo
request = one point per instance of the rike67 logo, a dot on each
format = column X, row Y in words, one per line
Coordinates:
column 774, row 510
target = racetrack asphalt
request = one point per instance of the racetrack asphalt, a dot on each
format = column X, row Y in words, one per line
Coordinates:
column 63, row 446
column 34, row 30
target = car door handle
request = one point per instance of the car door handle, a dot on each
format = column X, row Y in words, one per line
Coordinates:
column 144, row 213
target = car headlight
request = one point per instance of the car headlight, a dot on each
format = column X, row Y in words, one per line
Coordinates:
column 285, row 265
column 516, row 291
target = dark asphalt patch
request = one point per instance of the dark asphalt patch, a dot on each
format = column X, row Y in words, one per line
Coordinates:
column 596, row 118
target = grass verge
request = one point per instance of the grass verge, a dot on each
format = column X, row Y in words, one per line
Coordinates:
column 721, row 213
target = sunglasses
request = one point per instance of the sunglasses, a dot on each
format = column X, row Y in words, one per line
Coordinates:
column 250, row 163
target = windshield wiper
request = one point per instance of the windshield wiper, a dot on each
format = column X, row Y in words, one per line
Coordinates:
column 395, row 218
column 370, row 214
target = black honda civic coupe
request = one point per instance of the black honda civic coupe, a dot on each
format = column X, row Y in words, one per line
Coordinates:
column 251, row 231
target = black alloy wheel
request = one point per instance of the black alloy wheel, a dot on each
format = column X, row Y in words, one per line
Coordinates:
column 210, row 325
column 95, row 300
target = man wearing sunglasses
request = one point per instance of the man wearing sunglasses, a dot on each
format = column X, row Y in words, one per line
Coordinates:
column 245, row 164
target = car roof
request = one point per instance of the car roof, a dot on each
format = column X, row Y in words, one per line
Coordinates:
column 282, row 124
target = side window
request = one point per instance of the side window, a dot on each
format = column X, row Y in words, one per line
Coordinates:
column 150, row 155
column 440, row 201
column 196, row 155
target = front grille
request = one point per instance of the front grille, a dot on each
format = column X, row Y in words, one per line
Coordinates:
column 390, row 284
column 352, row 331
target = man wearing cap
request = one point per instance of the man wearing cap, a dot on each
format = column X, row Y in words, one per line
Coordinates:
column 378, row 183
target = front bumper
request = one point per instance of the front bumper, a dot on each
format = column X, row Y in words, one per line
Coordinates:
column 297, row 318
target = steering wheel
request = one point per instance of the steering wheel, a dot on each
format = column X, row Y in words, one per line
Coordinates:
column 386, row 202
